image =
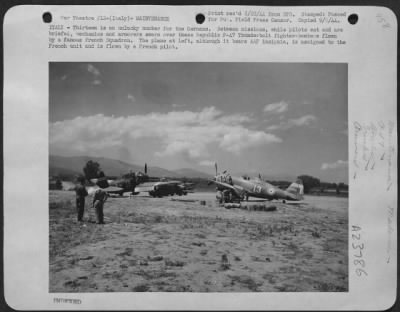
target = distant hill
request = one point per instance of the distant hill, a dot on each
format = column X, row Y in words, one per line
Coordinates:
column 57, row 171
column 74, row 165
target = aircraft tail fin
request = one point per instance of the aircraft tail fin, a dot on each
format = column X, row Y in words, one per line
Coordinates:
column 296, row 188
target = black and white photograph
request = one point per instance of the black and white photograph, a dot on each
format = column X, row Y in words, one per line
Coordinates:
column 198, row 177
column 200, row 157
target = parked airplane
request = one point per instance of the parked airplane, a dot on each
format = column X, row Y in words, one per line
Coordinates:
column 157, row 187
column 108, row 185
column 243, row 188
column 136, row 182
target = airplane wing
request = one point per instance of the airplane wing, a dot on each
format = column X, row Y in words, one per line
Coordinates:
column 146, row 187
column 149, row 186
column 237, row 191
column 296, row 203
column 169, row 182
column 109, row 190
column 113, row 190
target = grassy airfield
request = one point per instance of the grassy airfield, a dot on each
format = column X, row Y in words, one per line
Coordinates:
column 160, row 244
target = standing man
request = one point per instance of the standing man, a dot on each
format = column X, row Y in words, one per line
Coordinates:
column 133, row 183
column 81, row 193
column 99, row 198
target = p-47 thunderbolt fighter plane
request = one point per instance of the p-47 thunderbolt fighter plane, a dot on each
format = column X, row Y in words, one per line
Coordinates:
column 136, row 182
column 243, row 188
column 157, row 187
column 108, row 185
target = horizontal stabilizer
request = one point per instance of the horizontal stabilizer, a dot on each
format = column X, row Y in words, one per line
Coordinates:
column 296, row 188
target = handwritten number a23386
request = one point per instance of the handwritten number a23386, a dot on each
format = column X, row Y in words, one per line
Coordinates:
column 359, row 262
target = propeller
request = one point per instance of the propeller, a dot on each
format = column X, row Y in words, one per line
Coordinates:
column 215, row 177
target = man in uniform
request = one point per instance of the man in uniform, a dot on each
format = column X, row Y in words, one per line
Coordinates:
column 99, row 198
column 81, row 193
column 133, row 182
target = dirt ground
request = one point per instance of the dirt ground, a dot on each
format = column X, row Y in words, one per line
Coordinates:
column 165, row 245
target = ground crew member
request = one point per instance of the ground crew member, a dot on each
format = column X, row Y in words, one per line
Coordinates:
column 133, row 183
column 99, row 198
column 81, row 193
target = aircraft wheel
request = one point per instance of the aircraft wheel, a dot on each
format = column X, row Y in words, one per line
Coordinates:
column 284, row 201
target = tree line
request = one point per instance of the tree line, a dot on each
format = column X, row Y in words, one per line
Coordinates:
column 314, row 184
column 93, row 170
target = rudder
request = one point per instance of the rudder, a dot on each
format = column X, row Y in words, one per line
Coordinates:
column 296, row 188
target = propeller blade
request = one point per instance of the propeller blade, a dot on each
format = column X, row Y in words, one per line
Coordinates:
column 216, row 169
column 145, row 168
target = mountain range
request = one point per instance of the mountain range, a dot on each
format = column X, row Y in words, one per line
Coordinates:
column 111, row 167
column 73, row 165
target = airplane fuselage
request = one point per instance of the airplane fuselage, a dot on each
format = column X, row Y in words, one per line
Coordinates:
column 257, row 188
column 160, row 189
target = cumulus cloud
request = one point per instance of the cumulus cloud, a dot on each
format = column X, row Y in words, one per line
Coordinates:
column 180, row 132
column 239, row 139
column 276, row 108
column 93, row 70
column 336, row 165
column 307, row 120
column 131, row 98
column 95, row 73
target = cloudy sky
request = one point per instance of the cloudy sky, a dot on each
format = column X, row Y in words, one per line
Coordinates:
column 275, row 118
